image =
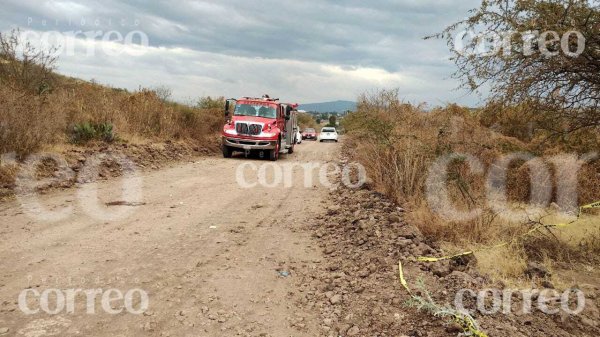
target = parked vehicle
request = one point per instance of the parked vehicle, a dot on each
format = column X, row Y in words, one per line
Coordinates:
column 298, row 137
column 259, row 124
column 309, row 133
column 328, row 134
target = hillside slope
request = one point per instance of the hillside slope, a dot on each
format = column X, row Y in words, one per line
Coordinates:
column 335, row 106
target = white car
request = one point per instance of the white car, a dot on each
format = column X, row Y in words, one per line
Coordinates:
column 328, row 133
column 298, row 137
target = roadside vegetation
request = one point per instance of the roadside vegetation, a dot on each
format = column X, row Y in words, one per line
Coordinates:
column 306, row 120
column 541, row 106
column 40, row 109
column 399, row 143
column 546, row 63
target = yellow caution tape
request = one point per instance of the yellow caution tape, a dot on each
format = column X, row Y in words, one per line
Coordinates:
column 592, row 205
column 402, row 280
column 468, row 325
column 563, row 225
column 466, row 322
column 436, row 259
column 560, row 225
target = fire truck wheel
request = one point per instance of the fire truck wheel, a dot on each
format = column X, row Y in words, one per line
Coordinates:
column 227, row 151
column 274, row 154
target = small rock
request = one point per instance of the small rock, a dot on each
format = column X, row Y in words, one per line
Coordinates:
column 149, row 326
column 333, row 210
column 441, row 269
column 454, row 328
column 535, row 269
column 404, row 242
column 4, row 331
column 584, row 321
column 547, row 284
column 335, row 299
column 393, row 218
column 464, row 277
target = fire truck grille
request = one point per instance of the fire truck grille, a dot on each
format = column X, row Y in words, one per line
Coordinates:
column 248, row 129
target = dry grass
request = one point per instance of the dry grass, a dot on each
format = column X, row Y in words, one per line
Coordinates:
column 30, row 121
column 398, row 144
column 576, row 242
column 25, row 123
column 511, row 268
column 75, row 111
column 40, row 108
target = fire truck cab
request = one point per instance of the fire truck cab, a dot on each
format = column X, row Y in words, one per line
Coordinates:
column 262, row 125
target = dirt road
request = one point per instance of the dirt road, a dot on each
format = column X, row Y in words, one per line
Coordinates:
column 212, row 256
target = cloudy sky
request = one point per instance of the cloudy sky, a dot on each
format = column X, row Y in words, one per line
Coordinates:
column 306, row 51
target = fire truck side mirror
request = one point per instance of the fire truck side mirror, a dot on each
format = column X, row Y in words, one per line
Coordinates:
column 226, row 108
column 288, row 112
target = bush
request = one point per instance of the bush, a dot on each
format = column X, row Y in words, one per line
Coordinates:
column 397, row 143
column 24, row 67
column 85, row 132
column 306, row 120
column 26, row 123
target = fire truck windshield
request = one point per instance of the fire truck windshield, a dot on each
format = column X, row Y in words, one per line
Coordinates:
column 256, row 110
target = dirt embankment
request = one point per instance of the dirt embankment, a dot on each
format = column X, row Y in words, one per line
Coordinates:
column 61, row 172
column 357, row 291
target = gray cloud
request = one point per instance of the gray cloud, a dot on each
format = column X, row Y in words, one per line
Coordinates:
column 312, row 50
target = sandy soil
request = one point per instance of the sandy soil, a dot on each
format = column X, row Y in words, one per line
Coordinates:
column 209, row 254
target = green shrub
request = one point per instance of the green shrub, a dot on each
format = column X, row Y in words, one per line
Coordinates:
column 104, row 132
column 85, row 132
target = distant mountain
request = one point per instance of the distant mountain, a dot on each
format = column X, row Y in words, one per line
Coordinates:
column 336, row 106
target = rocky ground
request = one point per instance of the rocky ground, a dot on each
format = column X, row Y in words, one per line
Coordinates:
column 357, row 291
column 220, row 260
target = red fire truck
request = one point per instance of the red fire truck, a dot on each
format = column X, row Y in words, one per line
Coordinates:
column 262, row 125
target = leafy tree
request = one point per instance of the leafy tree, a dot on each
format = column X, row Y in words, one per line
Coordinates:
column 306, row 120
column 332, row 120
column 163, row 92
column 211, row 103
column 22, row 66
column 543, row 54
